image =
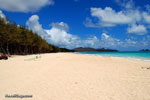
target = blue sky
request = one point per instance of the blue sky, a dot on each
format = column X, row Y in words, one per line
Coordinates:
column 116, row 24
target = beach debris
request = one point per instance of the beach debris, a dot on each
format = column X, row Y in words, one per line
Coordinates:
column 37, row 57
column 148, row 67
column 76, row 83
column 144, row 67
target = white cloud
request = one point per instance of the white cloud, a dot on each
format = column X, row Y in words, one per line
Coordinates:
column 146, row 17
column 2, row 15
column 24, row 5
column 148, row 8
column 128, row 4
column 129, row 16
column 108, row 17
column 61, row 26
column 59, row 35
column 137, row 29
column 92, row 41
column 33, row 23
column 105, row 36
column 108, row 41
column 128, row 44
column 89, row 23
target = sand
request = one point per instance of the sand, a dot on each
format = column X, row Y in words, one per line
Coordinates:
column 67, row 76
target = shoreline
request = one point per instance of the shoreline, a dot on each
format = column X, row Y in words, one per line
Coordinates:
column 120, row 57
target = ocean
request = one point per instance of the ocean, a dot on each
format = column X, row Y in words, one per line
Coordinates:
column 135, row 55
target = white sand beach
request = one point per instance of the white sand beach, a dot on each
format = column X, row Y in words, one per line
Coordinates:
column 67, row 76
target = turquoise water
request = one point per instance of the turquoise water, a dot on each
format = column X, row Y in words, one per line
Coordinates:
column 130, row 55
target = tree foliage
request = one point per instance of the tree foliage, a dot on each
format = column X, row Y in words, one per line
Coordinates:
column 20, row 40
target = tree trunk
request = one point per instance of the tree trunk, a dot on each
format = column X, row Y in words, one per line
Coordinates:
column 8, row 49
column 3, row 49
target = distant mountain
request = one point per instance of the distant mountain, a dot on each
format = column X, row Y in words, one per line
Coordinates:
column 107, row 50
column 143, row 50
column 81, row 49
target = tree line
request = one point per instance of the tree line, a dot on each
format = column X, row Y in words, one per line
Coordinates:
column 21, row 41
